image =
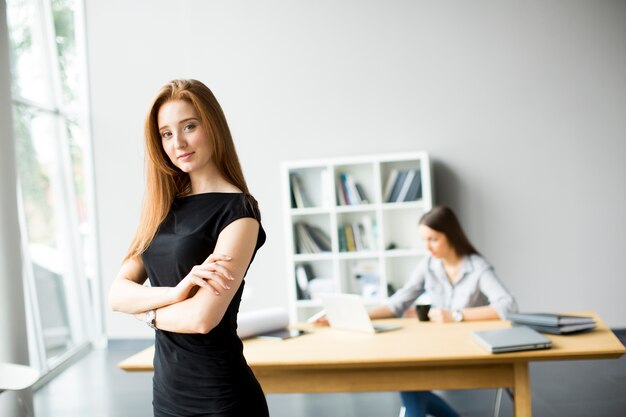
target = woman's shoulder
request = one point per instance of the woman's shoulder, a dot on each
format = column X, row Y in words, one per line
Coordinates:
column 478, row 262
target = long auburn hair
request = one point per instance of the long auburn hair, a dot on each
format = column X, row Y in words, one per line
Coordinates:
column 164, row 181
column 443, row 220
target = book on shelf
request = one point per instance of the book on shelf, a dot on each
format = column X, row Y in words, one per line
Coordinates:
column 361, row 193
column 348, row 183
column 299, row 198
column 357, row 236
column 342, row 193
column 391, row 180
column 311, row 239
column 403, row 185
column 414, row 191
column 350, row 242
column 397, row 186
column 321, row 239
column 349, row 192
column 406, row 184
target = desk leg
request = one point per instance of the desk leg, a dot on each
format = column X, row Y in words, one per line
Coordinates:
column 521, row 388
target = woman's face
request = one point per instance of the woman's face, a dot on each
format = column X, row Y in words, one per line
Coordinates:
column 436, row 242
column 183, row 136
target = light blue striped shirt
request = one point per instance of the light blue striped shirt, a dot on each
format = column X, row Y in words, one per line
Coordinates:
column 477, row 286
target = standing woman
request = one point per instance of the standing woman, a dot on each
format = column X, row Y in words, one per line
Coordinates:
column 462, row 286
column 197, row 204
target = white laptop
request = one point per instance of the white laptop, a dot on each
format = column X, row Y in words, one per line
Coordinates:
column 347, row 312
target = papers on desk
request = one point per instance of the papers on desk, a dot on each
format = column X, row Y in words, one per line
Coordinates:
column 553, row 323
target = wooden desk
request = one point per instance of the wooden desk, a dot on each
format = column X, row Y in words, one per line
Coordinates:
column 421, row 356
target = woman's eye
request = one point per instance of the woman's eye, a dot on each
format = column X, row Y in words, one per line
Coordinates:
column 166, row 135
column 190, row 126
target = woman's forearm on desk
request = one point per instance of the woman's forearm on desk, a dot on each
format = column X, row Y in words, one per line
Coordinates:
column 381, row 312
column 480, row 313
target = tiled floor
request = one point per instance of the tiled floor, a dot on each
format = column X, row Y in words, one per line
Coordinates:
column 95, row 387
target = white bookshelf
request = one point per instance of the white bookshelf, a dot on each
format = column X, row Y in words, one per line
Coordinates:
column 389, row 247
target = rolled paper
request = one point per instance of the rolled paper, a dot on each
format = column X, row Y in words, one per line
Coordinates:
column 256, row 322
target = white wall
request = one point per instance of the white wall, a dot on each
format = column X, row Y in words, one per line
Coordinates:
column 521, row 104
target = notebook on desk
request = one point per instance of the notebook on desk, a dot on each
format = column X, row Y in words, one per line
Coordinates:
column 347, row 312
column 511, row 340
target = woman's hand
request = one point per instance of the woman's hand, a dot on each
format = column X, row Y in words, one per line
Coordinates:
column 440, row 315
column 209, row 275
column 321, row 321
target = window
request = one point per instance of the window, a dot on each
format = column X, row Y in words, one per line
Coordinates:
column 53, row 157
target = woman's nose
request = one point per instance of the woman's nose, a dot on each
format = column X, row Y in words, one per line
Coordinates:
column 179, row 141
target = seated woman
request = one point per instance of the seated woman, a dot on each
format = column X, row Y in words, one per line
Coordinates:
column 461, row 284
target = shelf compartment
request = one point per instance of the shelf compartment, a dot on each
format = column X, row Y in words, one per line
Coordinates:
column 354, row 184
column 311, row 234
column 314, row 277
column 357, row 232
column 399, row 270
column 363, row 277
column 401, row 229
column 309, row 187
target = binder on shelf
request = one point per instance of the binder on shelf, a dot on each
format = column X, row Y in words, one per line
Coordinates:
column 321, row 239
column 348, row 183
column 415, row 189
column 342, row 191
column 299, row 197
column 343, row 243
column 311, row 239
column 406, row 184
column 361, row 193
column 341, row 194
column 350, row 238
column 395, row 192
column 391, row 181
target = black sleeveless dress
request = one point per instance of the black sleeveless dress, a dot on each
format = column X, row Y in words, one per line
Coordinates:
column 201, row 374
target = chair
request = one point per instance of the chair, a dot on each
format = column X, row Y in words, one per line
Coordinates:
column 496, row 405
column 17, row 377
column 498, row 401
